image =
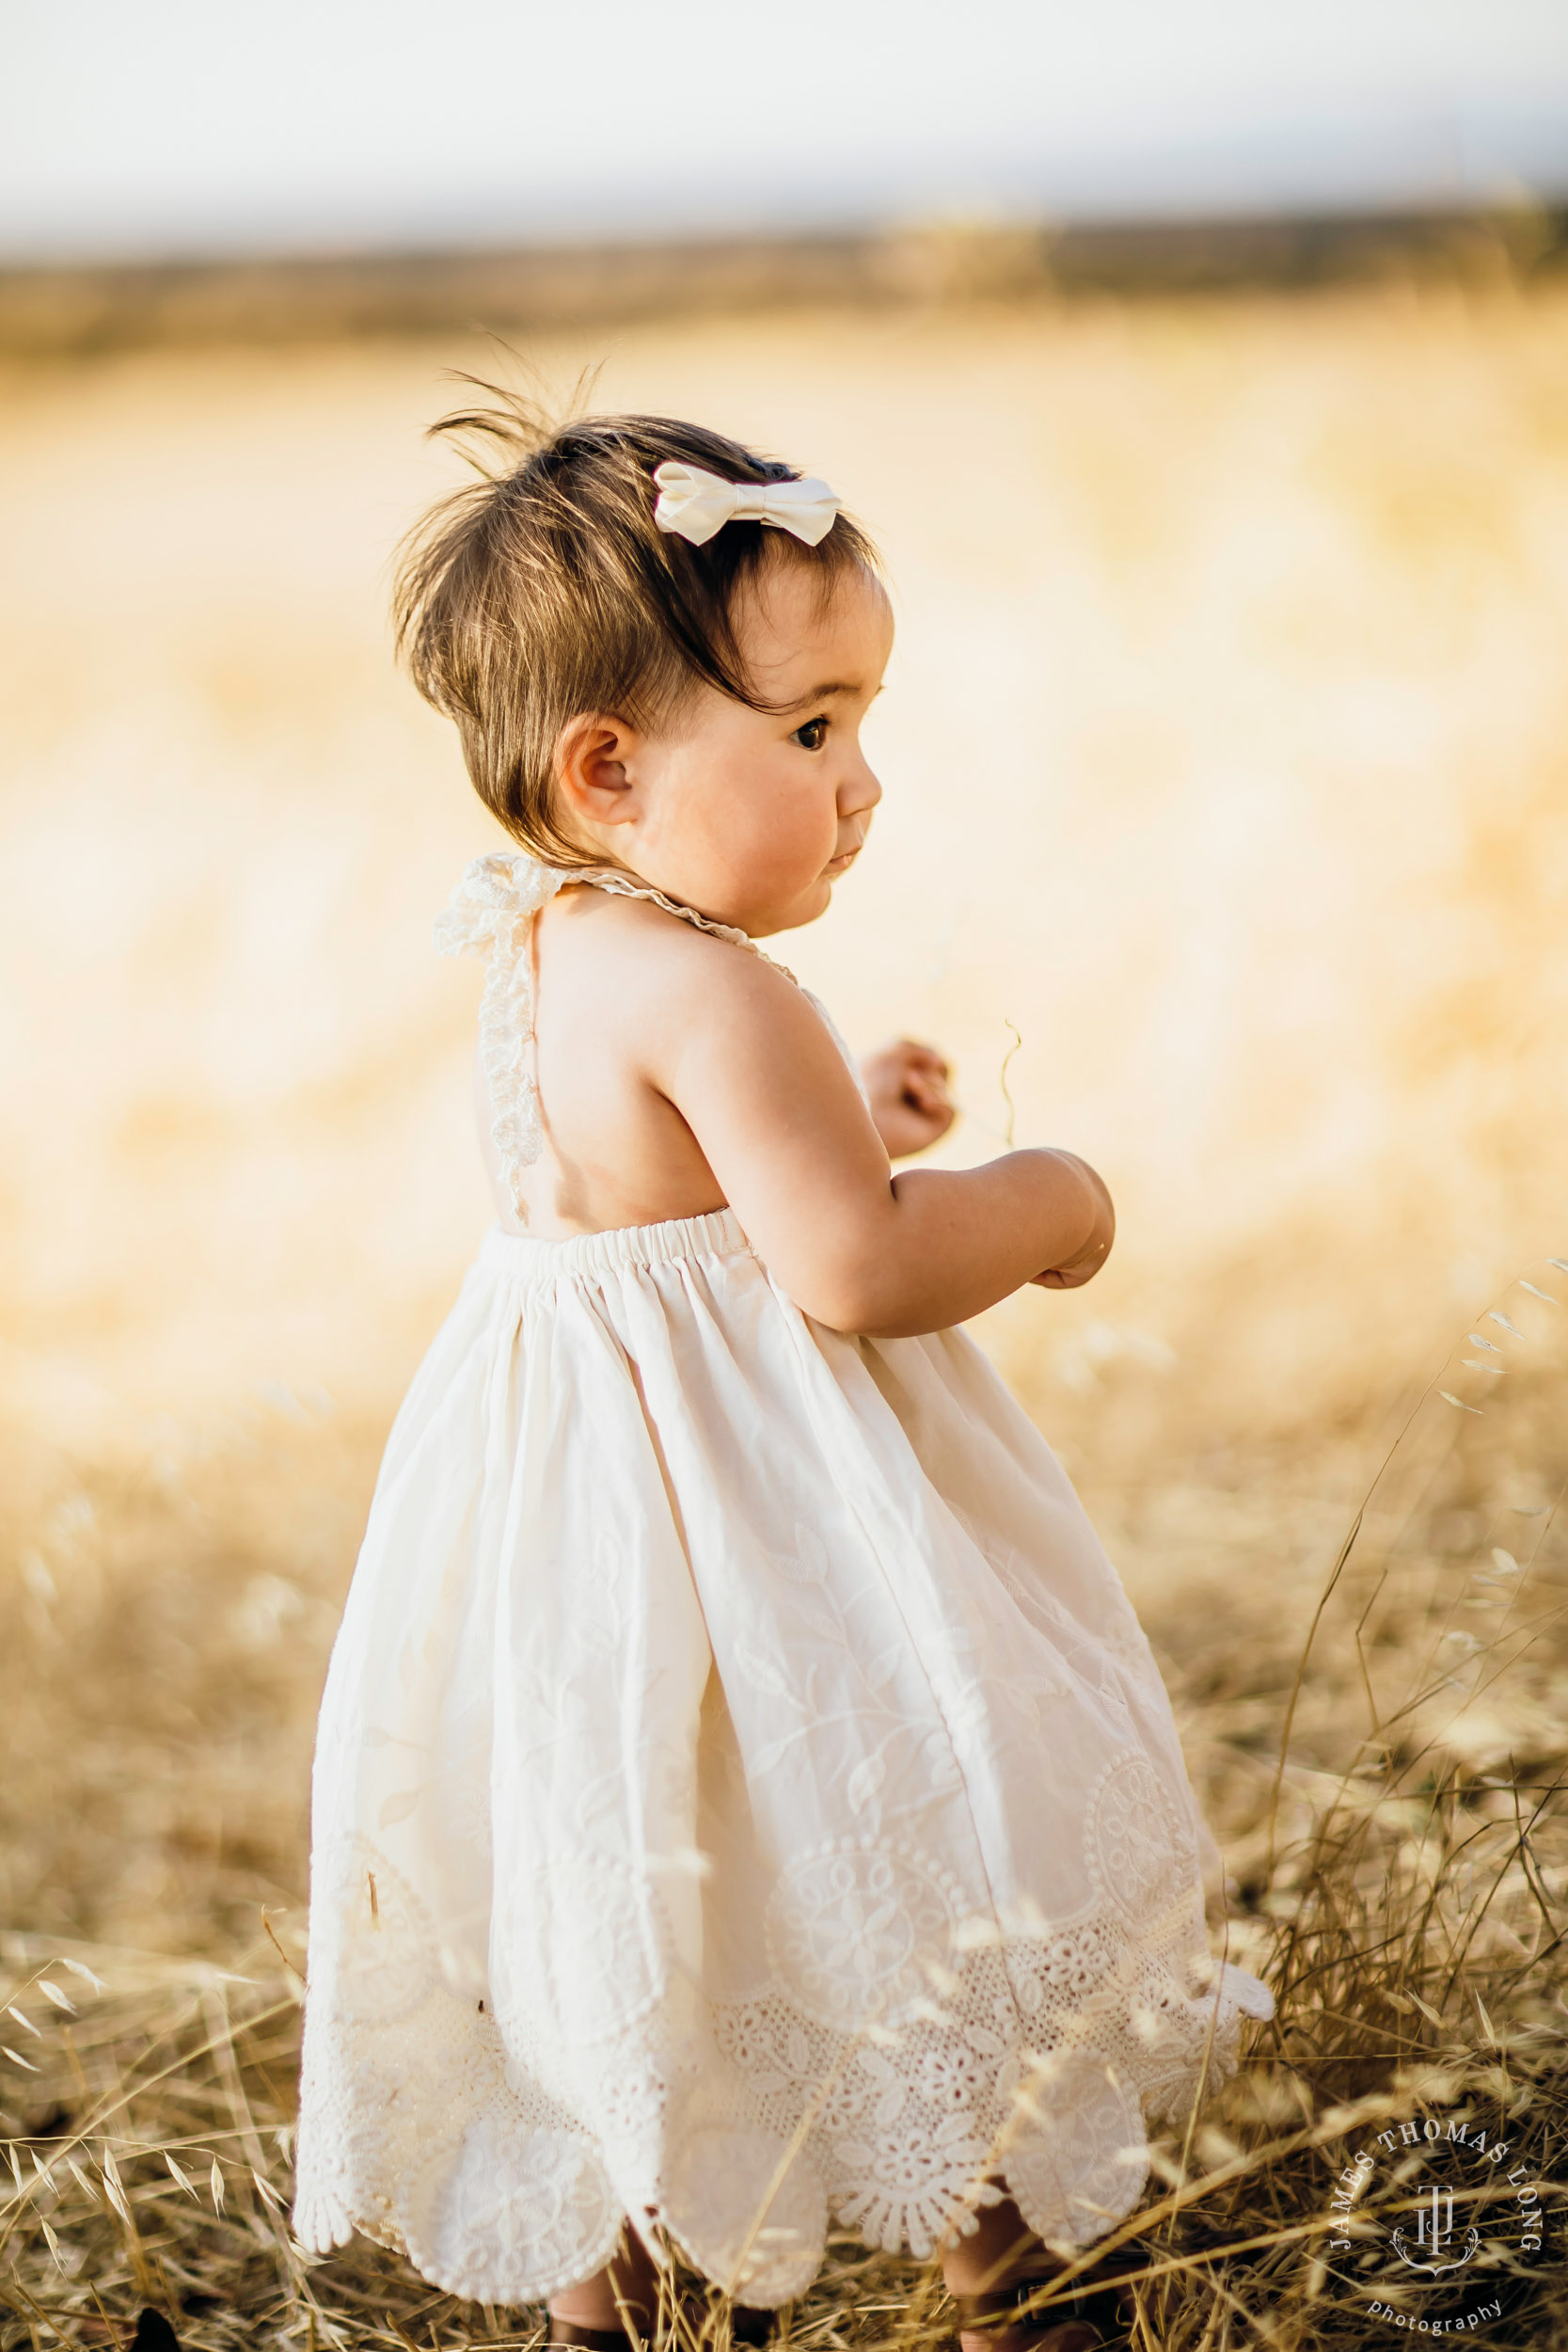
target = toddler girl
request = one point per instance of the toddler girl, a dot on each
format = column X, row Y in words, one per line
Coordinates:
column 744, row 1797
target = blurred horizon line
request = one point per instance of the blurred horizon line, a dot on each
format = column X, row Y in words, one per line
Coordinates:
column 53, row 308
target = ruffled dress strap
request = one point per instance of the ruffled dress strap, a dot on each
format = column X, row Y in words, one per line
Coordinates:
column 491, row 914
column 619, row 885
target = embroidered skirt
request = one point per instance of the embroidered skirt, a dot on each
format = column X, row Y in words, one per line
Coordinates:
column 743, row 1796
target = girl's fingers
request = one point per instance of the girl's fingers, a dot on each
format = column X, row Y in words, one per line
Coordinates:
column 907, row 1086
column 935, row 1118
column 912, row 1055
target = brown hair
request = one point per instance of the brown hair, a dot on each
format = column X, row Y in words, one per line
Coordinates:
column 545, row 589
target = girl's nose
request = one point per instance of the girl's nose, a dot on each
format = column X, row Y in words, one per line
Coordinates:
column 859, row 791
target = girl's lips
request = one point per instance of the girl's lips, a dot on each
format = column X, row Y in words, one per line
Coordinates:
column 845, row 859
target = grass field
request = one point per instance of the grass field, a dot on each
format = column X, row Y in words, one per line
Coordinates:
column 1224, row 754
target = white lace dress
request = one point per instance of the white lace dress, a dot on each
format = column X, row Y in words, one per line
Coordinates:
column 744, row 1796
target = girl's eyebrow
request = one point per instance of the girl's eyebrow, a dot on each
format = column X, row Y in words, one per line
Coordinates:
column 821, row 694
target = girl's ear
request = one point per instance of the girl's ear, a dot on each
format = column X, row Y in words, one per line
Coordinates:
column 592, row 757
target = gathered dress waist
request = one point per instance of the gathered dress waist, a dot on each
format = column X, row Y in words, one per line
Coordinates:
column 521, row 1257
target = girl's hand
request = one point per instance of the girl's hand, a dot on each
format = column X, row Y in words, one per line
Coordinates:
column 1087, row 1260
column 909, row 1104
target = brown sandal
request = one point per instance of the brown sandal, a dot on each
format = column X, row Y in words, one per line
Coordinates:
column 747, row 2326
column 1106, row 2308
column 750, row 2324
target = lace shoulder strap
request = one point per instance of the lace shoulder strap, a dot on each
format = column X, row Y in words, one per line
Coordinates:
column 619, row 885
column 491, row 914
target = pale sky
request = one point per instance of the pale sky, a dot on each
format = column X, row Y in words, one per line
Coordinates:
column 191, row 126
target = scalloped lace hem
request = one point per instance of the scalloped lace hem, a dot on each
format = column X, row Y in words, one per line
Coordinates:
column 1037, row 2065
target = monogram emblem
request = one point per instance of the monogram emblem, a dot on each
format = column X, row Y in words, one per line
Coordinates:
column 1436, row 2244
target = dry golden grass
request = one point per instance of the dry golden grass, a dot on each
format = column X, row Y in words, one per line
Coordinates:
column 1224, row 758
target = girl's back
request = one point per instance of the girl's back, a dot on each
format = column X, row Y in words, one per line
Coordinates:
column 613, row 1149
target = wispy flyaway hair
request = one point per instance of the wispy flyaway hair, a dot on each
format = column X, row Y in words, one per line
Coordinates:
column 545, row 589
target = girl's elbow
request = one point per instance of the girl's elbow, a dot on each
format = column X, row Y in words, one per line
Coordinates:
column 855, row 1311
column 856, row 1299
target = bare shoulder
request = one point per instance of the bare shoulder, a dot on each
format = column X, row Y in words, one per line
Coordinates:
column 658, row 968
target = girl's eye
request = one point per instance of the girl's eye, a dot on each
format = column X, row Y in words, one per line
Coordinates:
column 812, row 736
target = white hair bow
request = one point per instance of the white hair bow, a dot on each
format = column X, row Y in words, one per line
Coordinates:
column 696, row 505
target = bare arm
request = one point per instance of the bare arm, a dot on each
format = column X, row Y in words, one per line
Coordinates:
column 751, row 1070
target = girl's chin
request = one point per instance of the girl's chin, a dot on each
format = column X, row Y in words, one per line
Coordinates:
column 806, row 907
